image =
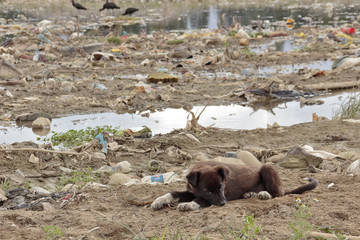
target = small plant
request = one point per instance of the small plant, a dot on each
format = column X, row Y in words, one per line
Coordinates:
column 300, row 225
column 175, row 42
column 114, row 40
column 5, row 184
column 232, row 33
column 248, row 230
column 331, row 229
column 83, row 176
column 349, row 108
column 248, row 54
column 53, row 232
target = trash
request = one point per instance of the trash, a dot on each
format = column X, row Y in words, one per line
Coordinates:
column 41, row 37
column 316, row 118
column 143, row 87
column 154, row 165
column 168, row 177
column 103, row 142
column 348, row 31
column 331, row 185
column 99, row 86
column 161, row 77
column 157, row 178
column 231, row 154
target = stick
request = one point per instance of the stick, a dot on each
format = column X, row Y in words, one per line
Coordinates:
column 335, row 85
column 38, row 150
column 330, row 236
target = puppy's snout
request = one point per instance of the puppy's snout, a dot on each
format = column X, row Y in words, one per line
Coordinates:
column 222, row 203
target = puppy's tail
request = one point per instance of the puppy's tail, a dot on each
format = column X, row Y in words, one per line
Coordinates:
column 306, row 187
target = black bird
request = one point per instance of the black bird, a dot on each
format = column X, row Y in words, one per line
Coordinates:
column 78, row 6
column 130, row 11
column 109, row 5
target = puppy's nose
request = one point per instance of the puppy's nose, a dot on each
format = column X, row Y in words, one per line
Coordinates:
column 222, row 203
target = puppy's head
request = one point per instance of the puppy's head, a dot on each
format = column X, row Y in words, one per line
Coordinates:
column 209, row 184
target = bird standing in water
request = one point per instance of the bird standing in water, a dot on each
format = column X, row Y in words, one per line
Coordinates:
column 109, row 5
column 130, row 11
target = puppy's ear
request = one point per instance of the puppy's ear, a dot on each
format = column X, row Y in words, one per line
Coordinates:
column 223, row 172
column 193, row 178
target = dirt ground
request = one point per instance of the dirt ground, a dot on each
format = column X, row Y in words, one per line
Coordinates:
column 123, row 212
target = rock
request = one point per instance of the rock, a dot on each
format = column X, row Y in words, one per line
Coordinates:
column 69, row 187
column 95, row 186
column 98, row 156
column 228, row 160
column 39, row 190
column 65, row 170
column 244, row 42
column 248, row 159
column 34, row 159
column 123, row 167
column 32, row 116
column 67, row 87
column 41, row 123
column 95, row 47
column 119, row 178
column 354, row 168
column 47, row 206
column 297, row 157
column 2, row 196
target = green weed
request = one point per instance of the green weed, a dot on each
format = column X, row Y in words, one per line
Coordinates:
column 82, row 176
column 53, row 232
column 175, row 42
column 300, row 224
column 349, row 108
column 114, row 40
column 248, row 54
column 5, row 184
column 73, row 138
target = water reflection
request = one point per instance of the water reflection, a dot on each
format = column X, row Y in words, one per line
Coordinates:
column 231, row 117
column 189, row 15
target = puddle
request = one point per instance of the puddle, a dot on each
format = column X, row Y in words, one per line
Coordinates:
column 293, row 68
column 230, row 117
column 277, row 46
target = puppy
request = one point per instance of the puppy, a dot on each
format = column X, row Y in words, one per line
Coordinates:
column 214, row 183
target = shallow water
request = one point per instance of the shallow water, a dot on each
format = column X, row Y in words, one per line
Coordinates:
column 189, row 15
column 229, row 117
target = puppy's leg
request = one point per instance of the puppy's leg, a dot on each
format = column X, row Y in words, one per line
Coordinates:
column 264, row 195
column 250, row 195
column 272, row 182
column 193, row 205
column 172, row 197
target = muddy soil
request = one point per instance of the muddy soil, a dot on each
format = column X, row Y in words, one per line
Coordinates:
column 123, row 212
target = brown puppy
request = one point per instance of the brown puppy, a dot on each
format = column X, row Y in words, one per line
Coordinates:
column 214, row 183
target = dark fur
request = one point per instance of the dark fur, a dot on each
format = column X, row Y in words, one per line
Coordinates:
column 214, row 183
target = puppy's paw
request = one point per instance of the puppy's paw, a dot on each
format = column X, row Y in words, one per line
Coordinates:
column 264, row 195
column 161, row 201
column 250, row 195
column 188, row 206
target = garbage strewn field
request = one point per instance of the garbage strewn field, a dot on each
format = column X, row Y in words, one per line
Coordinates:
column 103, row 188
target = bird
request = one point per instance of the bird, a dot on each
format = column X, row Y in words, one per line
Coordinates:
column 109, row 5
column 78, row 6
column 130, row 11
